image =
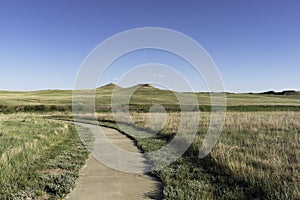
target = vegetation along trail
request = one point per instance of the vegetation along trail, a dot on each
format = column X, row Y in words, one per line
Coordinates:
column 98, row 181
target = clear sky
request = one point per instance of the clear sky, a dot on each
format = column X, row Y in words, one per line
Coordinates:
column 255, row 43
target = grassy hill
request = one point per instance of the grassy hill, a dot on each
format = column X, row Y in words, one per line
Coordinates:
column 143, row 97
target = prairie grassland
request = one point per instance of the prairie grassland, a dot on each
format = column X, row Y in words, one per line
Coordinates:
column 39, row 158
column 142, row 95
column 257, row 156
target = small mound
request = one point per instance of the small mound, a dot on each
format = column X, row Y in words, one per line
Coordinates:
column 109, row 86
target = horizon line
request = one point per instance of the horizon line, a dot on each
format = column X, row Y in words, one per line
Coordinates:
column 111, row 83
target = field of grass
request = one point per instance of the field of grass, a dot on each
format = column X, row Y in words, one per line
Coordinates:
column 61, row 100
column 39, row 159
column 256, row 157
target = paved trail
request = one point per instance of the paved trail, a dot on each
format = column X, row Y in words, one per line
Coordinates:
column 98, row 181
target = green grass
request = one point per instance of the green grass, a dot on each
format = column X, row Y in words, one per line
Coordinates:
column 40, row 159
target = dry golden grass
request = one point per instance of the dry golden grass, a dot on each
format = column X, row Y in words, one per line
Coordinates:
column 262, row 148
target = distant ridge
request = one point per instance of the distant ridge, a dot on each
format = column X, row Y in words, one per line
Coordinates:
column 111, row 86
column 285, row 92
column 144, row 96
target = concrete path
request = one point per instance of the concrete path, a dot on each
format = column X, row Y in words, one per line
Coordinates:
column 97, row 181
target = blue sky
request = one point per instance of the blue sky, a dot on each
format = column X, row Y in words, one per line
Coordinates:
column 255, row 44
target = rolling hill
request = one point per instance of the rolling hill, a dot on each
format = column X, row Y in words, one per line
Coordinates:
column 144, row 95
